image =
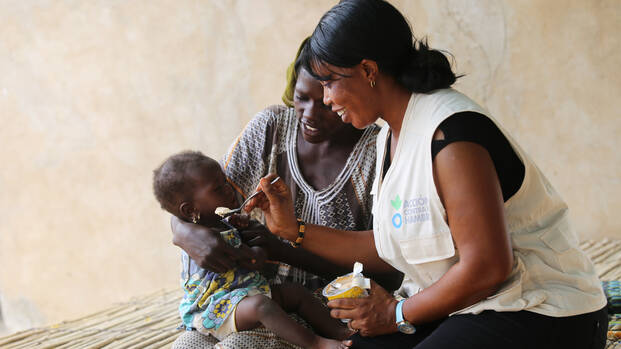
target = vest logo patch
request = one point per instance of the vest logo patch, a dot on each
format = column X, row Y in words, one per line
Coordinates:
column 396, row 203
column 397, row 220
column 414, row 211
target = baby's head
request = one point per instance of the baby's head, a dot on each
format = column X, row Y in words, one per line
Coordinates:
column 191, row 186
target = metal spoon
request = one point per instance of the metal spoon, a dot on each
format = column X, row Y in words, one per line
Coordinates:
column 237, row 210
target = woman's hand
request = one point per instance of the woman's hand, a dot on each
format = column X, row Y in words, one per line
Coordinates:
column 277, row 207
column 256, row 234
column 205, row 246
column 257, row 260
column 372, row 315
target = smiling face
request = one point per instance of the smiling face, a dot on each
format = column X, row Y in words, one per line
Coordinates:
column 348, row 92
column 211, row 190
column 318, row 123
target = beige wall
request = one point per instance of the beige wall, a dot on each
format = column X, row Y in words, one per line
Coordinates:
column 94, row 94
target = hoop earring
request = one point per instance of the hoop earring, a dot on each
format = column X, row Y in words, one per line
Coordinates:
column 372, row 83
column 196, row 218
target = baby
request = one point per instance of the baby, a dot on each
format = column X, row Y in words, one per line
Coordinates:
column 191, row 186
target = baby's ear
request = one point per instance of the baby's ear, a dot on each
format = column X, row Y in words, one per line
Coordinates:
column 186, row 210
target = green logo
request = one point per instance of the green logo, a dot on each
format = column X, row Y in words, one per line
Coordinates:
column 396, row 203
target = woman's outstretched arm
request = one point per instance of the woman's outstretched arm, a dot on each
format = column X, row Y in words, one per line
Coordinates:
column 282, row 251
column 340, row 247
column 257, row 234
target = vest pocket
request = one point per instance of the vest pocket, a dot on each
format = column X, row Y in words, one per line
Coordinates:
column 555, row 240
column 561, row 240
column 424, row 249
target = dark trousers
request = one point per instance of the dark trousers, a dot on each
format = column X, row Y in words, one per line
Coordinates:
column 506, row 330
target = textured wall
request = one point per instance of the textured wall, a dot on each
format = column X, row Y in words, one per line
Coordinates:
column 94, row 94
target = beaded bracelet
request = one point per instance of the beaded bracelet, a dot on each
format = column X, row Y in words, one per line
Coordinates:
column 301, row 229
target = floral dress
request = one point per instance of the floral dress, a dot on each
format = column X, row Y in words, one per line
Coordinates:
column 209, row 298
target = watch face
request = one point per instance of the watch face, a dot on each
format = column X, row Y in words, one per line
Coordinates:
column 406, row 327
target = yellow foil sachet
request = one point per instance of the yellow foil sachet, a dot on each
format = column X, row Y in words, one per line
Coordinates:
column 352, row 285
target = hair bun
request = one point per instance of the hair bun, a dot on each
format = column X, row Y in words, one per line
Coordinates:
column 426, row 69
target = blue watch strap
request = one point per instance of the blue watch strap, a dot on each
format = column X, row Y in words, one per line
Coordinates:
column 399, row 311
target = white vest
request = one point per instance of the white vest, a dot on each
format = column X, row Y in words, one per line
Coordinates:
column 550, row 276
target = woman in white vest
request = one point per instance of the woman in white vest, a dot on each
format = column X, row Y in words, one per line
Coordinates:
column 489, row 256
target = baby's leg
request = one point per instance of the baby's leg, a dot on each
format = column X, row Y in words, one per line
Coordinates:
column 259, row 309
column 295, row 298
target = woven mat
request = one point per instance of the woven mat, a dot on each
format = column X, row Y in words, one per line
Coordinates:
column 606, row 255
column 147, row 322
column 151, row 321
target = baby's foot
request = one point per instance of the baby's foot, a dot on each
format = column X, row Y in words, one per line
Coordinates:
column 325, row 343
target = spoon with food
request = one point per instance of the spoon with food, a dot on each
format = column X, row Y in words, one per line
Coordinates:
column 225, row 211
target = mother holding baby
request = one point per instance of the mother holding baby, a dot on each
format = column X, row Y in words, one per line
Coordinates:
column 328, row 167
column 488, row 254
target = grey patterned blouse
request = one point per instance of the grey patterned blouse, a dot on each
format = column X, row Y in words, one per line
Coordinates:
column 345, row 204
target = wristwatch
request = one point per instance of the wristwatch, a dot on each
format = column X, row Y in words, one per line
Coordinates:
column 402, row 324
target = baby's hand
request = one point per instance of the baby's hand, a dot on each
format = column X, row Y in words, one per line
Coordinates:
column 239, row 220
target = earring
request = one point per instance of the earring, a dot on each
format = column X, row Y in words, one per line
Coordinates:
column 372, row 83
column 196, row 218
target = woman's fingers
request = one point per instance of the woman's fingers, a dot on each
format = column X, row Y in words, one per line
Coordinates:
column 218, row 265
column 371, row 315
column 253, row 257
column 344, row 313
column 344, row 303
column 244, row 252
column 261, row 200
column 204, row 246
column 277, row 207
column 344, row 308
column 276, row 188
column 271, row 193
column 224, row 258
